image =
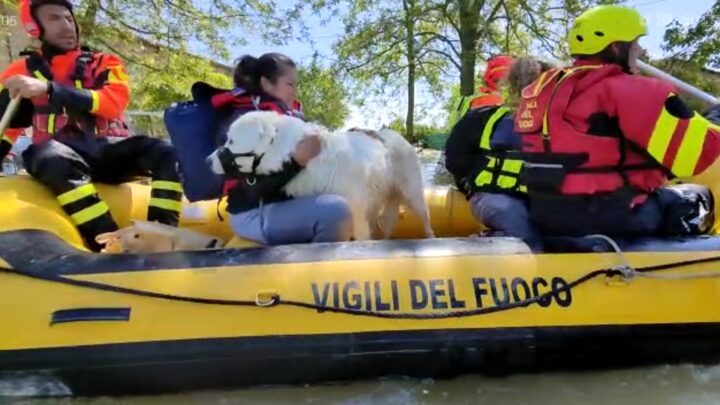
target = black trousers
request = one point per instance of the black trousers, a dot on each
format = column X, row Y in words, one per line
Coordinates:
column 673, row 210
column 70, row 168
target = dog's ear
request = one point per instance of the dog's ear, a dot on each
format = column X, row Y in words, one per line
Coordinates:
column 106, row 237
column 269, row 129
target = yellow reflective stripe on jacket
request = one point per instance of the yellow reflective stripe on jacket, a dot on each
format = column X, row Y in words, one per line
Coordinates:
column 167, row 185
column 489, row 126
column 661, row 135
column 507, row 182
column 51, row 124
column 691, row 148
column 95, row 101
column 506, row 179
column 463, row 107
column 455, row 113
column 39, row 75
column 90, row 213
column 6, row 138
column 485, row 177
column 164, row 203
column 117, row 74
column 76, row 194
column 512, row 166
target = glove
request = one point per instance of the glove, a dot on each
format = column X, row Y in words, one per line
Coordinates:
column 713, row 114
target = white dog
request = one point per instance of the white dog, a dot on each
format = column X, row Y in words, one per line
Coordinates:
column 374, row 171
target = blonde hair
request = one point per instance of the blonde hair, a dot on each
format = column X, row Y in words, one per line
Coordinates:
column 522, row 73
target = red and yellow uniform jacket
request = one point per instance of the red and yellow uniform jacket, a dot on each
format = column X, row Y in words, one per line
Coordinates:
column 89, row 87
column 614, row 130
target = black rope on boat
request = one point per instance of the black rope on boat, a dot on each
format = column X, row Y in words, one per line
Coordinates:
column 276, row 300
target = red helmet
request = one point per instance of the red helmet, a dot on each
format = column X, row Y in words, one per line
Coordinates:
column 28, row 9
column 497, row 68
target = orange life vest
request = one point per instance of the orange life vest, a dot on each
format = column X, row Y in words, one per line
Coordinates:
column 47, row 120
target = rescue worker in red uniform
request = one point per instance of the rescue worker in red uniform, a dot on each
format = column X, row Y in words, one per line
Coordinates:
column 74, row 99
column 489, row 94
column 600, row 142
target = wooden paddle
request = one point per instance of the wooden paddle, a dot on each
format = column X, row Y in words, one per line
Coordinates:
column 9, row 112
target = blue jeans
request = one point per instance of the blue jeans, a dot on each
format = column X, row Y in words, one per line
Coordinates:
column 506, row 216
column 300, row 220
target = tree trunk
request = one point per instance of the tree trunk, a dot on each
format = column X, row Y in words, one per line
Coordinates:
column 88, row 20
column 8, row 43
column 469, row 20
column 410, row 44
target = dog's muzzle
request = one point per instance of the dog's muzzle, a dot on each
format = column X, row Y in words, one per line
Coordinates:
column 228, row 160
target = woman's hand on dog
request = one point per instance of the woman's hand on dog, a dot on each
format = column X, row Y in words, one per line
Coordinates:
column 306, row 149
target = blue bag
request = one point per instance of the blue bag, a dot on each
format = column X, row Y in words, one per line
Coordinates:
column 193, row 127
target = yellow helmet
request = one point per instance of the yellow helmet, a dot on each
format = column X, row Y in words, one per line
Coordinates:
column 600, row 26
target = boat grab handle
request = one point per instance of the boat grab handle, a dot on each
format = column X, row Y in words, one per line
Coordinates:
column 89, row 315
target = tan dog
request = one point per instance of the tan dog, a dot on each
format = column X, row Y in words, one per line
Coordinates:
column 151, row 237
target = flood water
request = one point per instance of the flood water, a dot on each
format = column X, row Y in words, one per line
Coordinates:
column 680, row 384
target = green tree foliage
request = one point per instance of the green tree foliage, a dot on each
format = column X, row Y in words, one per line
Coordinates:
column 397, row 44
column 694, row 53
column 699, row 42
column 421, row 134
column 386, row 48
column 477, row 29
column 323, row 95
column 155, row 39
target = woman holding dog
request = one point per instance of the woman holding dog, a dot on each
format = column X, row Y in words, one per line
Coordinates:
column 259, row 209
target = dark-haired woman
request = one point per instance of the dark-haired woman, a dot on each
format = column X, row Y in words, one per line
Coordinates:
column 259, row 209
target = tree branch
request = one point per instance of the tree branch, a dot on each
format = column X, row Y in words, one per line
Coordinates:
column 421, row 65
column 444, row 39
column 445, row 54
column 444, row 10
column 126, row 57
column 370, row 59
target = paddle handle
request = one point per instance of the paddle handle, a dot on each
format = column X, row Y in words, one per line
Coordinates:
column 708, row 99
column 9, row 112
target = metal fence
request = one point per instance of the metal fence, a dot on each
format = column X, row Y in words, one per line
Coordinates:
column 147, row 123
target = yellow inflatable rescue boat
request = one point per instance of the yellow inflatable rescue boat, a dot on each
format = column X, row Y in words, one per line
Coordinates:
column 127, row 323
